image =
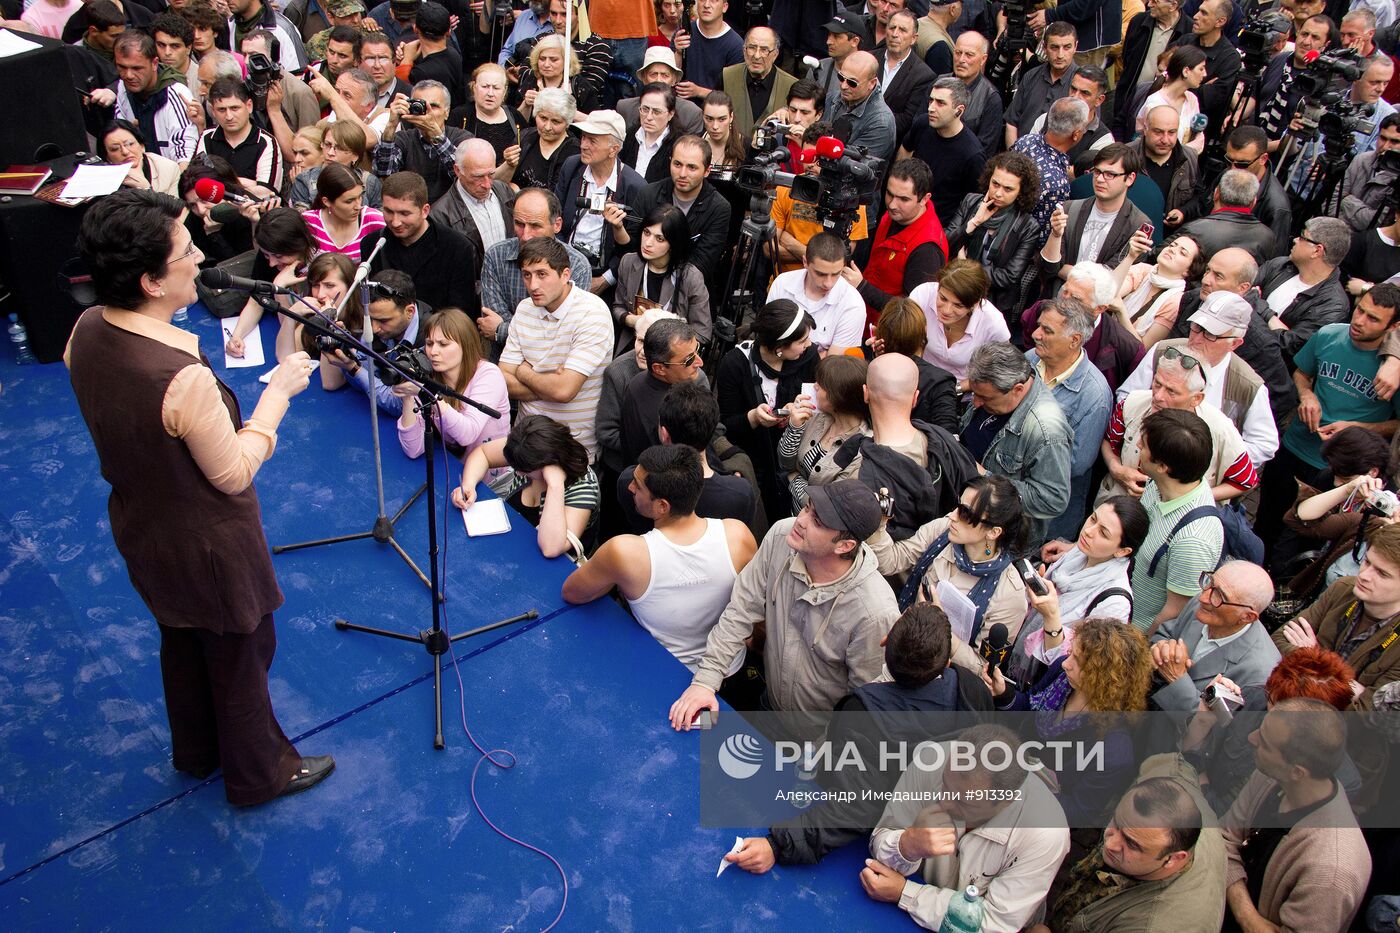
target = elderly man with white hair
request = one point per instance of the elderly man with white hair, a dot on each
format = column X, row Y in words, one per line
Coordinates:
column 1218, row 327
column 477, row 206
column 1112, row 349
column 1178, row 383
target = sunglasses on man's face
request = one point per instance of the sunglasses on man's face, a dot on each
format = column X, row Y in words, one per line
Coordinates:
column 847, row 80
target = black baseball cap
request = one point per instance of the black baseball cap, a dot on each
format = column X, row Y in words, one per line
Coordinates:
column 847, row 505
column 853, row 24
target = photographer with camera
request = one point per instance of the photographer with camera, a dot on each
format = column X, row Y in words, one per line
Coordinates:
column 1370, row 182
column 425, row 144
column 452, row 350
column 395, row 320
column 1280, row 91
column 248, row 15
column 595, row 189
column 285, row 101
column 1360, row 112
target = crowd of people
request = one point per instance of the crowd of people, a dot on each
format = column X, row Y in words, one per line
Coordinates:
column 1123, row 316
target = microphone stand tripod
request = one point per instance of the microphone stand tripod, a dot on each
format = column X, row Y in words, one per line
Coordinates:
column 434, row 639
column 383, row 529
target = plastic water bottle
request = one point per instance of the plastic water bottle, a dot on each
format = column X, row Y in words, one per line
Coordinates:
column 19, row 338
column 964, row 913
column 181, row 316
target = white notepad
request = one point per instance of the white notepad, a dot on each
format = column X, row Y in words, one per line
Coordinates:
column 486, row 517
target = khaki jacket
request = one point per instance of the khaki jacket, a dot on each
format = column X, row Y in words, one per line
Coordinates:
column 822, row 641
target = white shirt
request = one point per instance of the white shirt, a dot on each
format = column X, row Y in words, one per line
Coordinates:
column 486, row 215
column 1281, row 299
column 588, row 230
column 891, row 69
column 840, row 316
column 647, row 151
column 1259, row 433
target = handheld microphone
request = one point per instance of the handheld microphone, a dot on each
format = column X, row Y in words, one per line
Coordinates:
column 995, row 649
column 1311, row 57
column 829, row 147
column 213, row 191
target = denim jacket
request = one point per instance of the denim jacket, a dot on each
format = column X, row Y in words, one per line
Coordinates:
column 1033, row 451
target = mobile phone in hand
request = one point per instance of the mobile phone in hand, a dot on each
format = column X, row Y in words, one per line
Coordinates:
column 1146, row 229
column 1033, row 580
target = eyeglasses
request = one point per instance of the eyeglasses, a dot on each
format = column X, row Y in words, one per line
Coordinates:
column 186, row 254
column 1216, row 598
column 652, row 111
column 1245, row 163
column 1110, row 175
column 1307, row 239
column 123, row 146
column 759, row 49
column 1187, row 360
column 966, row 515
column 847, row 80
column 688, row 361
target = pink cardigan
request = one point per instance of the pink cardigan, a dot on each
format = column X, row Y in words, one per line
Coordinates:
column 468, row 426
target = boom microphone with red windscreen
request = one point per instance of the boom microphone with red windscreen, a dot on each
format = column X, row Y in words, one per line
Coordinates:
column 213, row 191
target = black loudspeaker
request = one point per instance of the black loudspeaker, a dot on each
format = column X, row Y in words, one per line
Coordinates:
column 37, row 242
column 40, row 103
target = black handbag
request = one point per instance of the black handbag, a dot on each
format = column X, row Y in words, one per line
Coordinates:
column 228, row 302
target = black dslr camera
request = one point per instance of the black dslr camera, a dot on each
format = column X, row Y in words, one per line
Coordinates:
column 412, row 359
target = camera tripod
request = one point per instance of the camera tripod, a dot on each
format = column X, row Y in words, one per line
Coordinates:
column 741, row 299
column 435, row 639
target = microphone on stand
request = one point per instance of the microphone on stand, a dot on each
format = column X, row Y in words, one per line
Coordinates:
column 221, row 279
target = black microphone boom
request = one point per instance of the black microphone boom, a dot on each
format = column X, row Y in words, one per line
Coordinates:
column 221, row 279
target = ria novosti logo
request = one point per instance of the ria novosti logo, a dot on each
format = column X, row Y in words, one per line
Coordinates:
column 741, row 756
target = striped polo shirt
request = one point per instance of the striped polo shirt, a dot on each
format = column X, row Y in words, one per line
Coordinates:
column 578, row 337
column 1194, row 548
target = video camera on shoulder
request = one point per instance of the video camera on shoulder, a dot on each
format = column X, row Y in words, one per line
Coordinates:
column 769, row 150
column 262, row 71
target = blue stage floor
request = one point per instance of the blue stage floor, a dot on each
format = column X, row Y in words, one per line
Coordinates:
column 98, row 832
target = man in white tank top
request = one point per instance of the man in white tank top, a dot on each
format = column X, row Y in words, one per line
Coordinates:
column 677, row 578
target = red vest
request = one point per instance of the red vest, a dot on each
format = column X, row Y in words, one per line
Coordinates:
column 889, row 254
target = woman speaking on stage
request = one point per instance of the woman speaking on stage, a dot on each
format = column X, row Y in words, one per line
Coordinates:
column 181, row 460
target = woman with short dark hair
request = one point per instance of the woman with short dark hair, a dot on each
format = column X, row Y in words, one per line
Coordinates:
column 185, row 517
column 122, row 141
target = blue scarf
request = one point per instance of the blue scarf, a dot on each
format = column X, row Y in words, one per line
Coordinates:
column 988, row 574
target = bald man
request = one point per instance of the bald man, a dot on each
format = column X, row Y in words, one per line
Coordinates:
column 478, row 206
column 923, row 466
column 1217, row 634
column 1172, row 166
column 861, row 116
column 984, row 107
column 757, row 86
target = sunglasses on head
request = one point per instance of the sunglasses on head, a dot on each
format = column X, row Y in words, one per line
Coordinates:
column 1187, row 360
column 380, row 290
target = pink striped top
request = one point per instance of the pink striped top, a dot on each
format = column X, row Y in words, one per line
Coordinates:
column 370, row 220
